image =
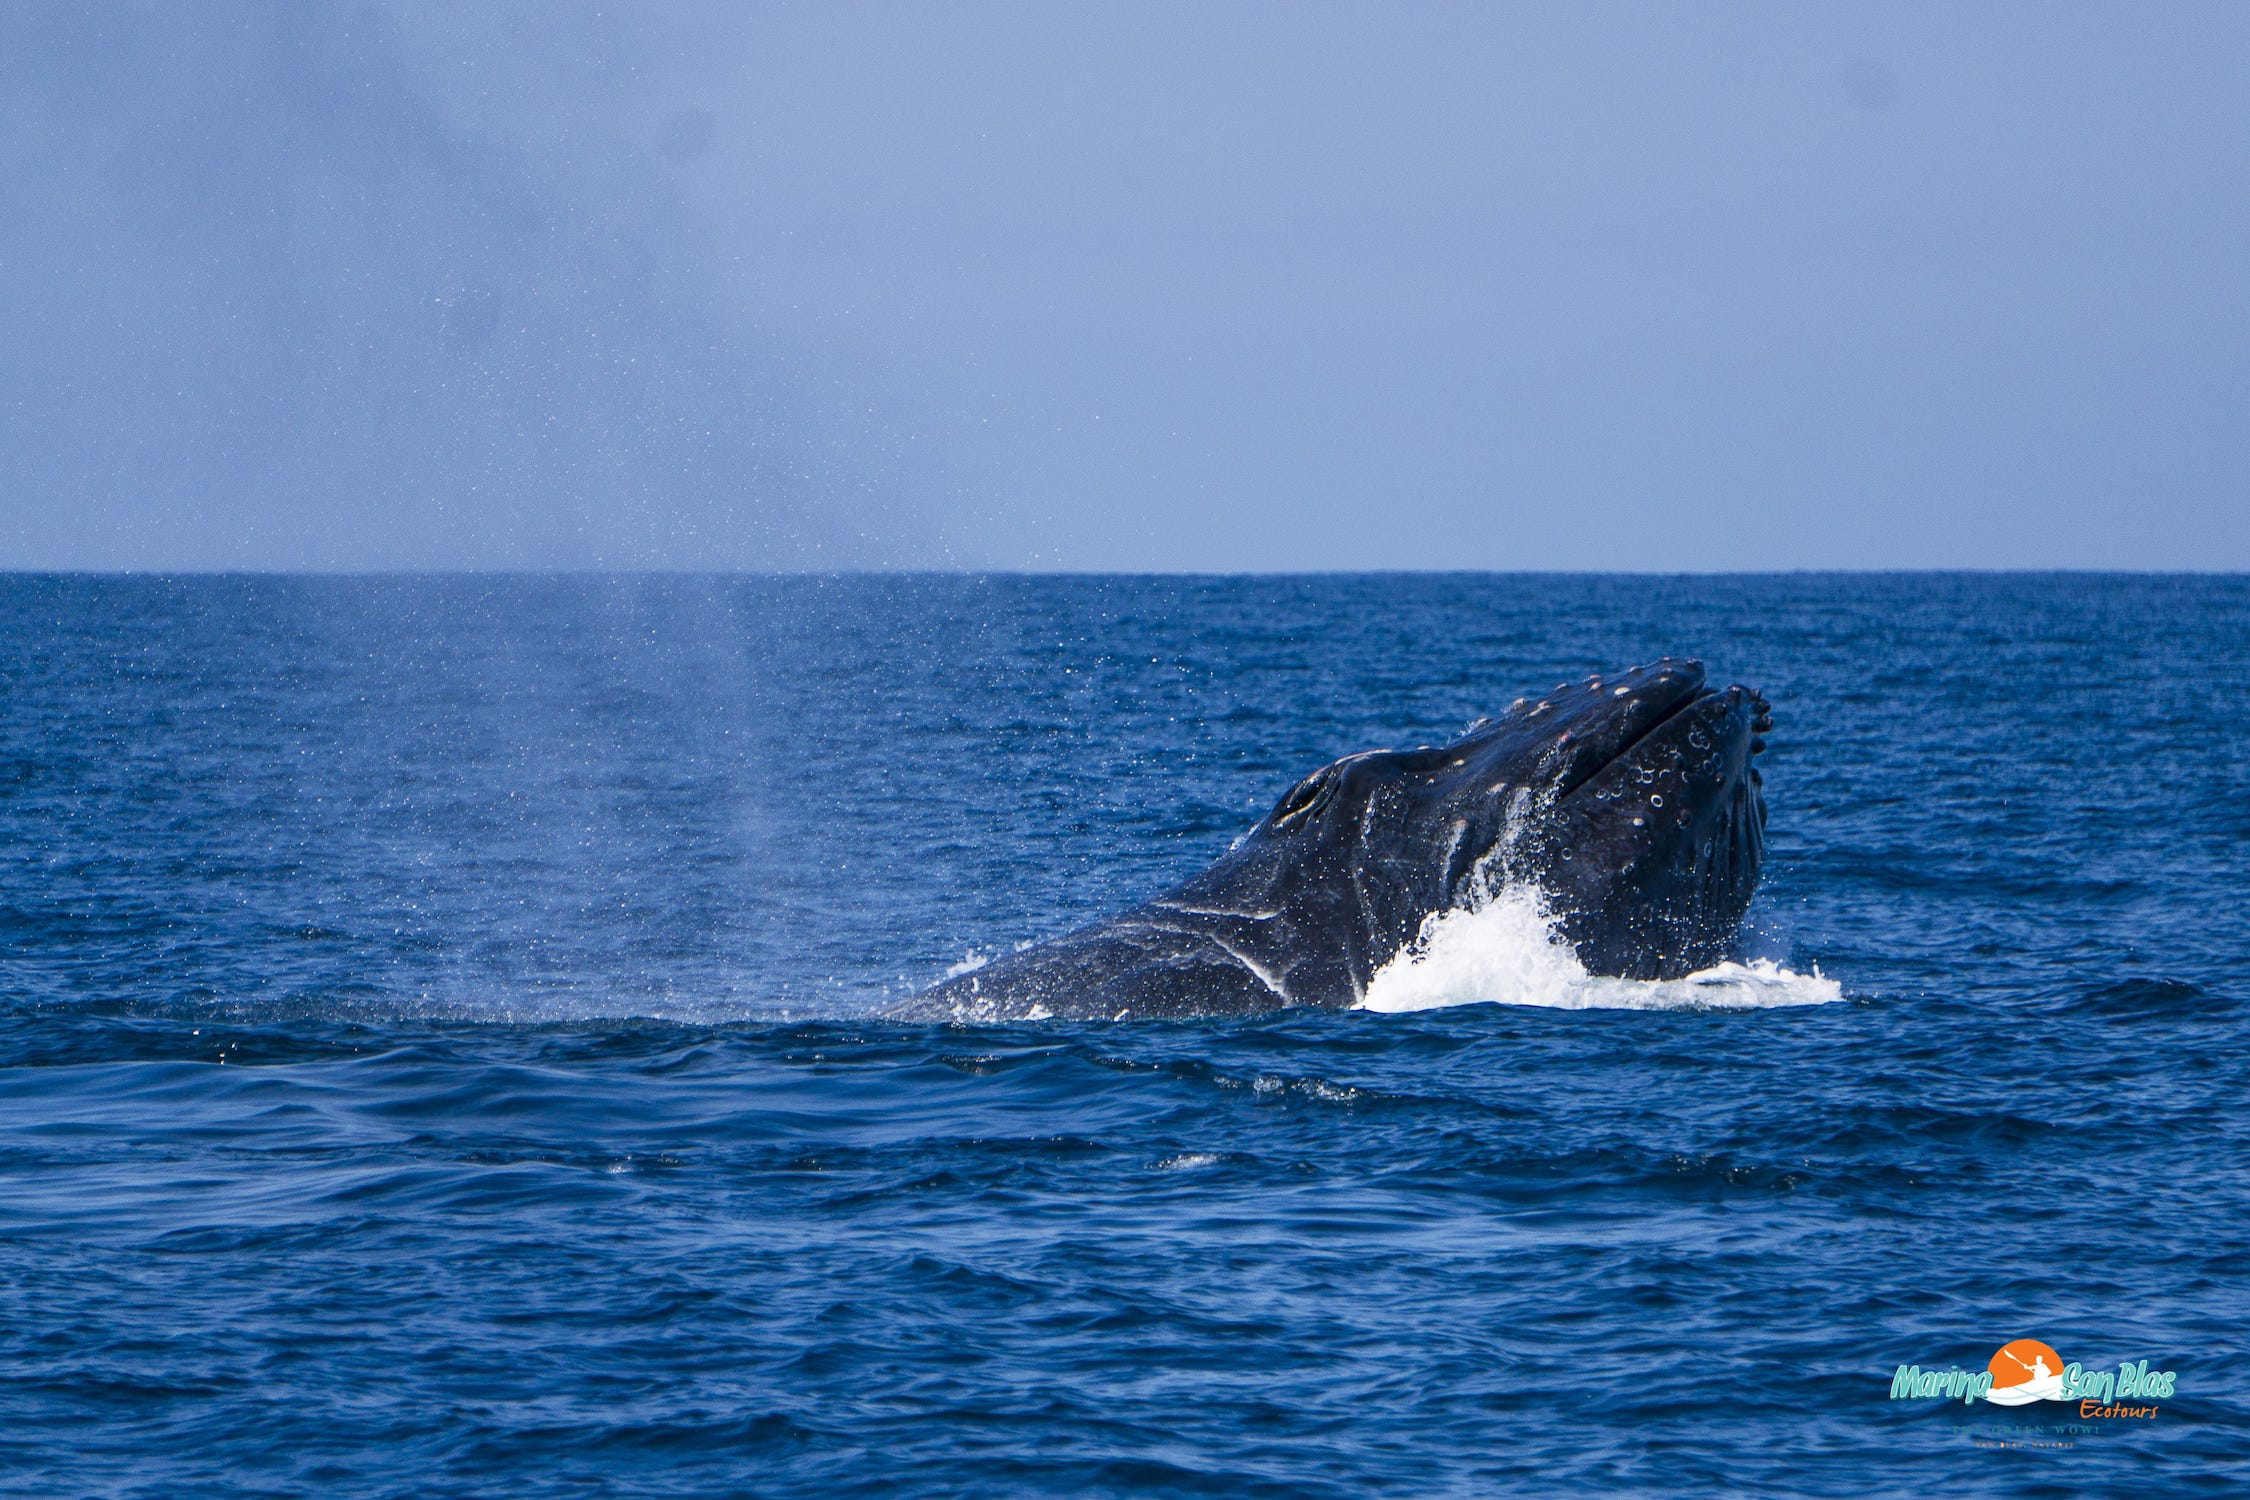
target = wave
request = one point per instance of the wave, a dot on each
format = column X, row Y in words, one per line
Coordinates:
column 1507, row 950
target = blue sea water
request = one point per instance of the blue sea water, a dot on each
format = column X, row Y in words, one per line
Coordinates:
column 436, row 1054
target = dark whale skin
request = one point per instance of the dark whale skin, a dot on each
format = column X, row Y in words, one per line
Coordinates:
column 1630, row 799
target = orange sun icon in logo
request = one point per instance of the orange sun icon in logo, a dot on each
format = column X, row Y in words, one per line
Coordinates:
column 2025, row 1371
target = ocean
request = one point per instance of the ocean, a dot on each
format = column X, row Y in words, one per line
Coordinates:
column 438, row 1052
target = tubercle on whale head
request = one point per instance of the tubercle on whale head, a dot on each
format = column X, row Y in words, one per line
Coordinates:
column 1552, row 746
column 1573, row 731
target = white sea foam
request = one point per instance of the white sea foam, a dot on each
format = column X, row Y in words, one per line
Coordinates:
column 1507, row 950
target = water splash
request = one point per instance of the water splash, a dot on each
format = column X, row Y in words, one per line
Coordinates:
column 1506, row 949
column 971, row 961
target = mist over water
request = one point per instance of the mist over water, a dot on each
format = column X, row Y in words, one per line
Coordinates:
column 363, row 285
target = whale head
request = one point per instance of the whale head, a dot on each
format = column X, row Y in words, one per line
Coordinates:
column 1630, row 799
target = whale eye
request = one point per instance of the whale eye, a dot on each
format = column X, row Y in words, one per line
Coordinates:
column 1304, row 798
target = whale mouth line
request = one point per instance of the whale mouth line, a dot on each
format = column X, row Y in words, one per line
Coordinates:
column 1677, row 707
column 1686, row 702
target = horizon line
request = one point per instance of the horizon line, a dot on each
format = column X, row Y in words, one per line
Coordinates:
column 13, row 573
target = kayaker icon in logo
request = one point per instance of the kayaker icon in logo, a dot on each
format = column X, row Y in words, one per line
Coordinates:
column 2023, row 1372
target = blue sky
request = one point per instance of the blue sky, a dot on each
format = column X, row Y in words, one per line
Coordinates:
column 329, row 285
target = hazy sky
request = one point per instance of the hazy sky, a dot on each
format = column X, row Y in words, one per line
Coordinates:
column 361, row 285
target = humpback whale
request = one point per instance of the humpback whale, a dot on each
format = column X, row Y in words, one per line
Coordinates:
column 1631, row 800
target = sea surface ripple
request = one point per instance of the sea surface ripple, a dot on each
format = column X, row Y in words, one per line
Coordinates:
column 435, row 1051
